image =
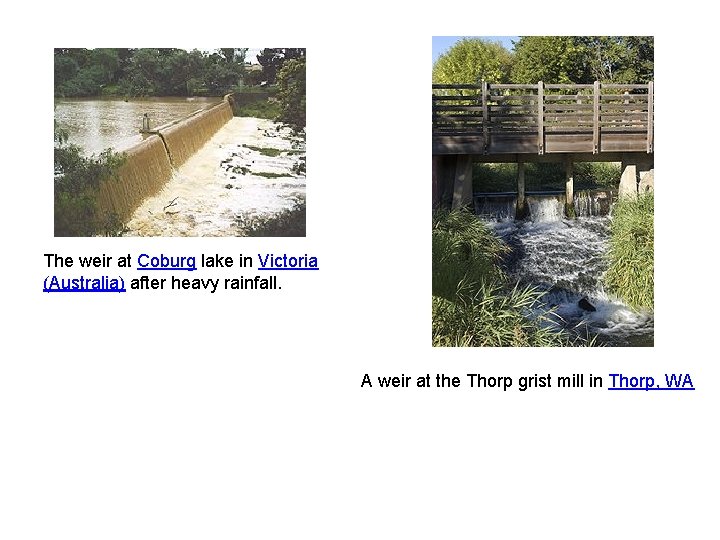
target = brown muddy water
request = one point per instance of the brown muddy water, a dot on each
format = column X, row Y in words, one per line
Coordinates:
column 96, row 124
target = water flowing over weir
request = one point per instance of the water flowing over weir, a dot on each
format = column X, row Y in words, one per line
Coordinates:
column 149, row 164
column 566, row 259
column 249, row 168
column 145, row 171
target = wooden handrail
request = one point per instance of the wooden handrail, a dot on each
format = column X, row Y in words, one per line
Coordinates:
column 495, row 111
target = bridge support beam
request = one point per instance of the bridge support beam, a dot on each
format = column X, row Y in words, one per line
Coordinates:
column 443, row 174
column 521, row 210
column 569, row 201
column 462, row 193
column 435, row 182
column 628, row 179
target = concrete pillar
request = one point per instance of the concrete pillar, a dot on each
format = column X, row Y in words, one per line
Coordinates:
column 521, row 210
column 462, row 193
column 646, row 175
column 569, row 201
column 647, row 181
column 628, row 179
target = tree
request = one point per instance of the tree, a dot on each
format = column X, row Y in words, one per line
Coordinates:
column 271, row 60
column 470, row 61
column 291, row 93
column 624, row 59
column 583, row 59
column 77, row 180
column 551, row 59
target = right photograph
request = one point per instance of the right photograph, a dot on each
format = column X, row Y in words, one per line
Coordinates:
column 542, row 191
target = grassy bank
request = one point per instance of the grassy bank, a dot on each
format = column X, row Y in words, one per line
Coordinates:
column 632, row 239
column 473, row 302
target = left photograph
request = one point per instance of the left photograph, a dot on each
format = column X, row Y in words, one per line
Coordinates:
column 179, row 142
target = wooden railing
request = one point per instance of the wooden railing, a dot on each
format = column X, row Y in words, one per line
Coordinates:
column 545, row 117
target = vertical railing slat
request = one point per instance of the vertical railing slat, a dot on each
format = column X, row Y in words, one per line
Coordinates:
column 541, row 112
column 650, row 117
column 486, row 120
column 596, row 117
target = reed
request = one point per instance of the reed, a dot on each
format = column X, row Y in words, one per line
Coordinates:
column 631, row 255
column 473, row 302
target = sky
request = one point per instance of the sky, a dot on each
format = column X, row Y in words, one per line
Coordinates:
column 443, row 43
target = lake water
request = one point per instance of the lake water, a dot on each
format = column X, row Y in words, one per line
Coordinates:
column 95, row 124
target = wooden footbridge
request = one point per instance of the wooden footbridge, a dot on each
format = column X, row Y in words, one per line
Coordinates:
column 538, row 123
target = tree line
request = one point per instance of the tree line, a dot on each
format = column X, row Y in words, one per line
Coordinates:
column 163, row 72
column 551, row 59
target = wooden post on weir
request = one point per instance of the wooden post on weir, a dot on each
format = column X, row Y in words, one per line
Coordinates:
column 521, row 211
column 569, row 202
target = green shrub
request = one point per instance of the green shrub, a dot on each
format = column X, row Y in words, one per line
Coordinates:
column 473, row 302
column 77, row 181
column 631, row 272
column 463, row 249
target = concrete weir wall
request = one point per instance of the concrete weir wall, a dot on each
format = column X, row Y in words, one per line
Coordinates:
column 145, row 171
column 186, row 137
column 149, row 164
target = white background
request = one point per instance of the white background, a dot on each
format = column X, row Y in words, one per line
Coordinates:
column 239, row 415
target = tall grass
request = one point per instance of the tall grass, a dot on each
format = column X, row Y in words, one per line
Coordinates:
column 492, row 316
column 463, row 250
column 631, row 272
column 473, row 303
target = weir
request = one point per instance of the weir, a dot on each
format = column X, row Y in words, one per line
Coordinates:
column 150, row 163
column 540, row 123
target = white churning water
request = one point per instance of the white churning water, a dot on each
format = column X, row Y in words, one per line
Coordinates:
column 224, row 181
column 566, row 259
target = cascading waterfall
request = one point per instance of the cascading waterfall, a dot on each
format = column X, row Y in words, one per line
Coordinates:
column 149, row 164
column 544, row 206
column 186, row 137
column 566, row 259
column 145, row 170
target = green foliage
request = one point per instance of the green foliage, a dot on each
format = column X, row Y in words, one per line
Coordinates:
column 258, row 109
column 289, row 222
column 551, row 59
column 272, row 61
column 632, row 239
column 619, row 59
column 463, row 249
column 497, row 177
column 473, row 303
column 77, row 181
column 471, row 61
column 583, row 59
column 492, row 316
column 291, row 93
column 147, row 72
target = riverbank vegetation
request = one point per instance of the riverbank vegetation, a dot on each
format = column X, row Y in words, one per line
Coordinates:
column 77, row 181
column 631, row 272
column 473, row 301
column 166, row 72
column 499, row 177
